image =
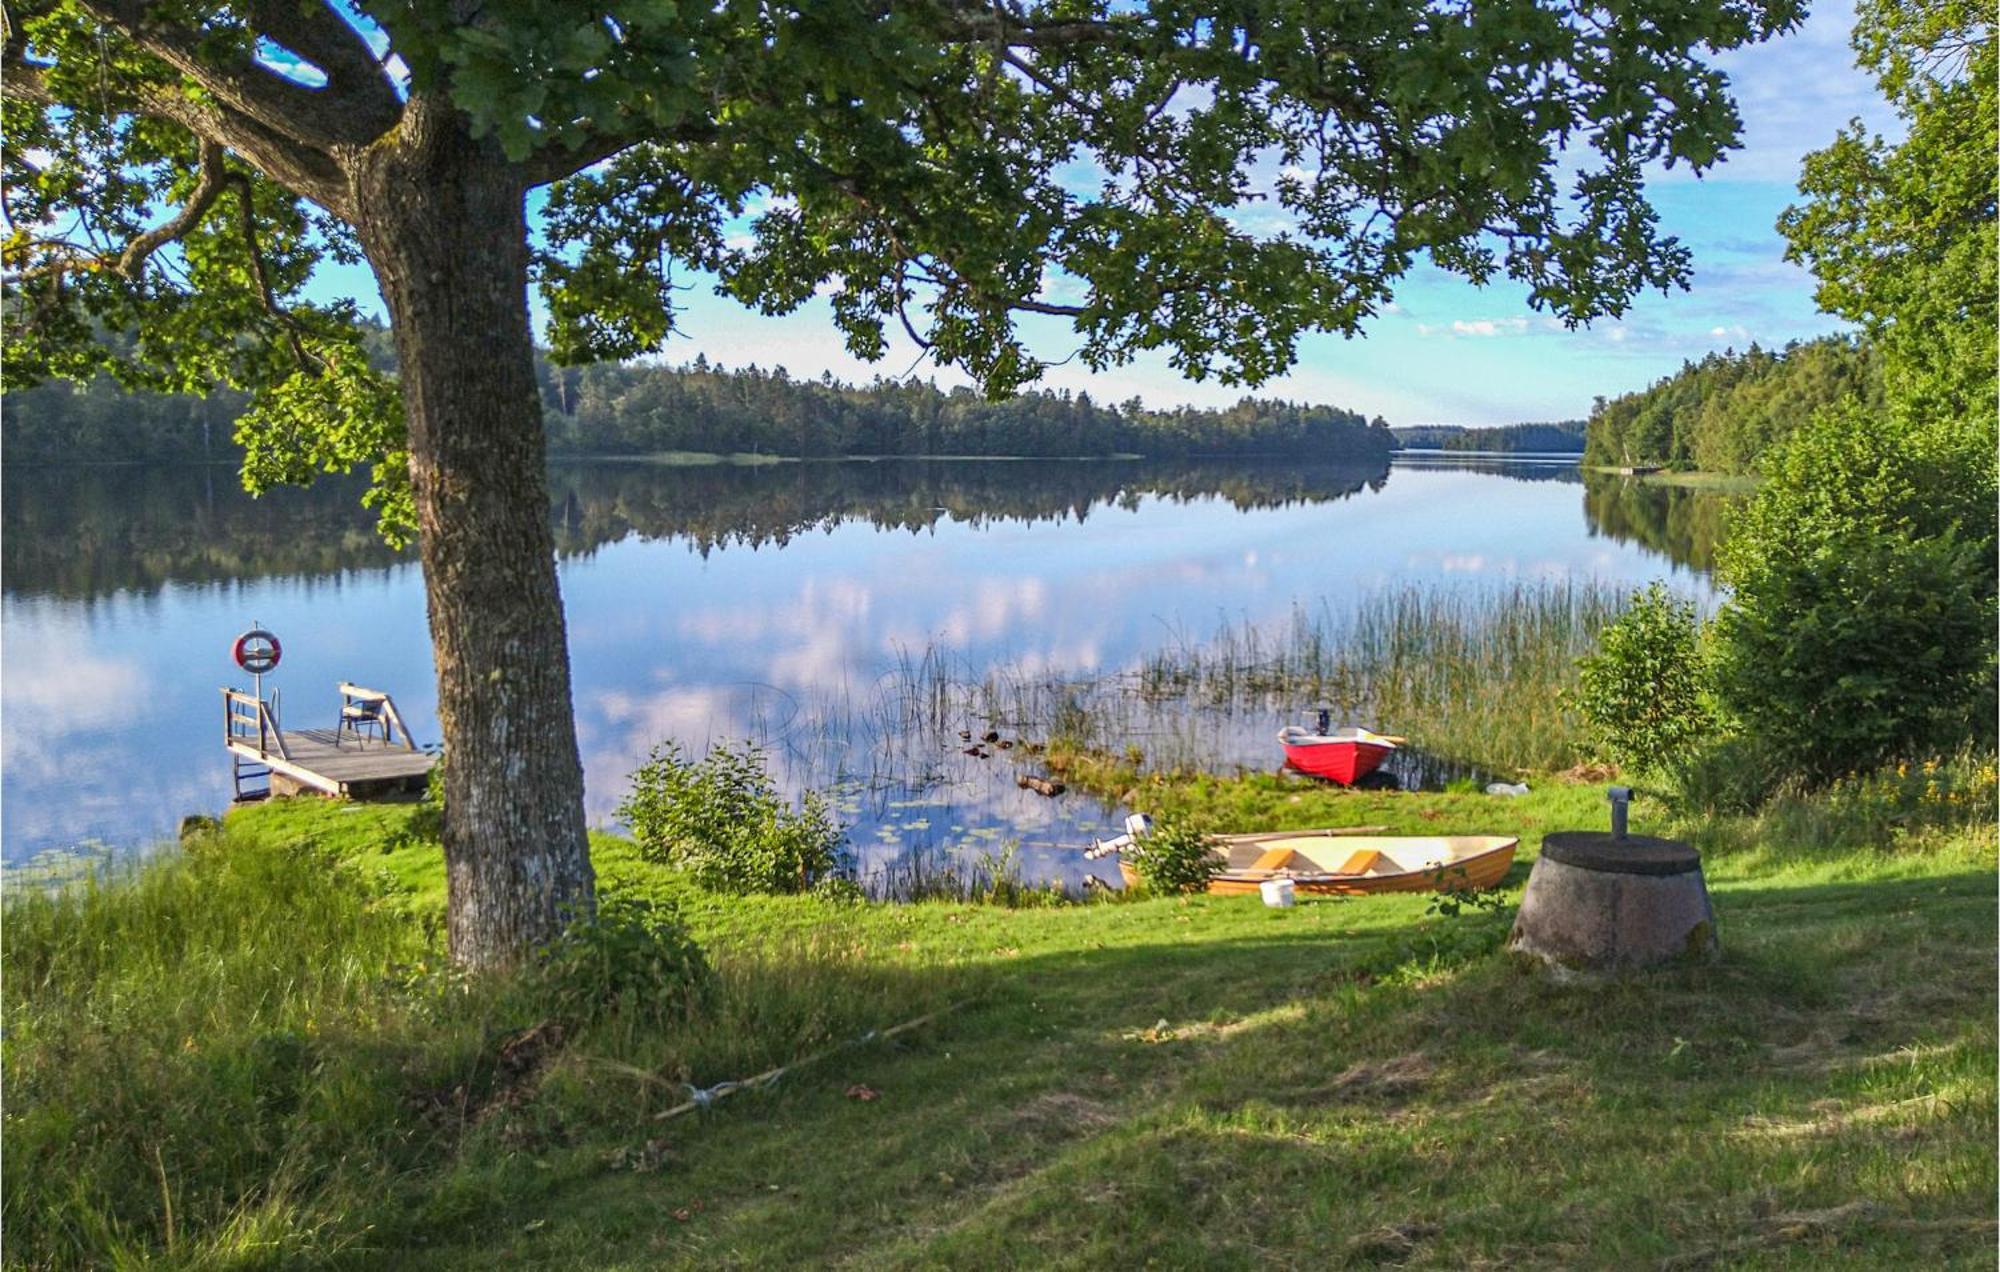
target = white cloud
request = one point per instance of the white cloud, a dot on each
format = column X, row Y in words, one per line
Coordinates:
column 1479, row 328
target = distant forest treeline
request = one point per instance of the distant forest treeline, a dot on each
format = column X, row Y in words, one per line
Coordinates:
column 85, row 533
column 634, row 409
column 82, row 532
column 639, row 409
column 1721, row 413
column 1565, row 435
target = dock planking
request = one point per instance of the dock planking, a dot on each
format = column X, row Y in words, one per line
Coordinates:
column 340, row 761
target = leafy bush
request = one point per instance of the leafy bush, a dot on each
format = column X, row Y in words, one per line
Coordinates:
column 634, row 960
column 1733, row 774
column 722, row 820
column 1645, row 690
column 1897, row 799
column 1175, row 858
column 1861, row 629
column 838, row 890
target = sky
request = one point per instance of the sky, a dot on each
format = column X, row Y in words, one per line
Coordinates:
column 1446, row 351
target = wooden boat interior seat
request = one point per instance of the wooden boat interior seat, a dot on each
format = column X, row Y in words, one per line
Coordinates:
column 1315, row 854
column 1355, row 861
column 1275, row 859
column 1361, row 862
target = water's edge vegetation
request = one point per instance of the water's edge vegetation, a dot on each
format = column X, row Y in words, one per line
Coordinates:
column 251, row 1051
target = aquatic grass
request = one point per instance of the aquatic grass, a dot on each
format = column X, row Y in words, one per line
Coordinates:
column 1475, row 677
column 990, row 878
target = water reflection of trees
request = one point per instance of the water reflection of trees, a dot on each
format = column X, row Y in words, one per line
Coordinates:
column 87, row 532
column 716, row 506
column 1563, row 469
column 1681, row 523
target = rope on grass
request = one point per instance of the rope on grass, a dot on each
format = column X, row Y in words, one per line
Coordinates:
column 706, row 1097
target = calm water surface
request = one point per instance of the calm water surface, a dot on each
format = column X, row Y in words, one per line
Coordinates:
column 786, row 603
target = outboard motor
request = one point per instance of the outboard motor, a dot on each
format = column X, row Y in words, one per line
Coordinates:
column 1137, row 826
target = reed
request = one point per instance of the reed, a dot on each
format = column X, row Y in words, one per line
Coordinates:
column 1483, row 677
column 1480, row 680
column 992, row 878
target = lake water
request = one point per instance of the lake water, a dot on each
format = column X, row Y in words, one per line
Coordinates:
column 798, row 604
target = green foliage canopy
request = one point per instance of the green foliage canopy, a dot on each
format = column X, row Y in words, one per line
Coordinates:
column 1861, row 627
column 1211, row 181
column 1901, row 236
column 1175, row 859
column 1645, row 690
column 1722, row 413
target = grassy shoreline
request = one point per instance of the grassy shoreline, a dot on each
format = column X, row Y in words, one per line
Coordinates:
column 1181, row 1081
column 1719, row 483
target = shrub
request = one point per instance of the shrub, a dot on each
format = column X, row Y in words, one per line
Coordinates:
column 1175, row 858
column 1904, row 797
column 838, row 890
column 722, row 820
column 1645, row 690
column 634, row 960
column 1733, row 774
column 1861, row 625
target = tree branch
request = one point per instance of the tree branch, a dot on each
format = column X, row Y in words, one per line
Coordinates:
column 319, row 119
column 207, row 187
column 305, row 171
column 1044, row 307
column 262, row 276
column 67, row 257
column 992, row 23
column 316, row 33
column 554, row 162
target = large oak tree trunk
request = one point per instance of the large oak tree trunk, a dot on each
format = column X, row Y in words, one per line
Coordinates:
column 444, row 225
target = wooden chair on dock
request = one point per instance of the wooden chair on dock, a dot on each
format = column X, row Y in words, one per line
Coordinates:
column 369, row 753
column 369, row 713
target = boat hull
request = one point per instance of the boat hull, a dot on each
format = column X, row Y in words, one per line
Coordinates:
column 1342, row 762
column 1464, row 863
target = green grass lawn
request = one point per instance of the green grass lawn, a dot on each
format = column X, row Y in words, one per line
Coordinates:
column 1171, row 1082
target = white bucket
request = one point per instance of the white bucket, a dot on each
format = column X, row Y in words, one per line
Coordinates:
column 1278, row 893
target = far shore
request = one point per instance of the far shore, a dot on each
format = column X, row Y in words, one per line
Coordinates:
column 1721, row 483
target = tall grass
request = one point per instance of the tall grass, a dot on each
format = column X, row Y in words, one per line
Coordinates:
column 189, row 1041
column 1482, row 674
column 992, row 878
column 248, row 1052
column 1479, row 676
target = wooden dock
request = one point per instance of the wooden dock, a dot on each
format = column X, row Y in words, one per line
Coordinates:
column 347, row 760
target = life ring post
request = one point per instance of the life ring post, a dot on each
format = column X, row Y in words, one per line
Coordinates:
column 257, row 651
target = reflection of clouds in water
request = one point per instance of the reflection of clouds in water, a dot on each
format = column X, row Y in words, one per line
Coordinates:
column 897, row 794
column 997, row 609
column 824, row 658
column 616, row 729
column 1076, row 656
column 51, row 682
column 100, row 794
column 799, row 645
column 819, row 602
column 60, row 710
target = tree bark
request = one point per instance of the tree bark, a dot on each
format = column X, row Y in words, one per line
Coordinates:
column 443, row 220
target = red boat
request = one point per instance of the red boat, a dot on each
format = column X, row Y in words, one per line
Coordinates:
column 1340, row 755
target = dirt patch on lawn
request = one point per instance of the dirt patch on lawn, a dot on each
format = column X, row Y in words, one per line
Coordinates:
column 1066, row 1111
column 1382, row 1081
